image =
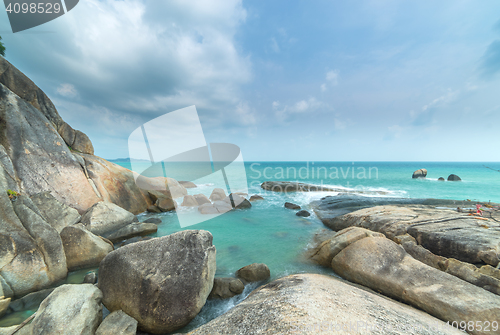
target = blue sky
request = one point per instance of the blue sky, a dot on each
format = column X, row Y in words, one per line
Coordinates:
column 284, row 80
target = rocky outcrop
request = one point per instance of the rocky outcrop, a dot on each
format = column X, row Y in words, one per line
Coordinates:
column 162, row 283
column 226, row 288
column 132, row 230
column 312, row 304
column 290, row 205
column 57, row 214
column 116, row 323
column 82, row 248
column 421, row 173
column 105, row 217
column 454, row 177
column 255, row 272
column 383, row 265
column 69, row 310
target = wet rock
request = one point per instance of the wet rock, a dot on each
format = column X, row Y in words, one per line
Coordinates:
column 90, row 278
column 421, row 173
column 117, row 322
column 153, row 220
column 290, row 205
column 303, row 213
column 226, row 288
column 255, row 272
column 454, row 177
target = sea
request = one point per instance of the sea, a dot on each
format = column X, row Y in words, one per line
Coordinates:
column 271, row 234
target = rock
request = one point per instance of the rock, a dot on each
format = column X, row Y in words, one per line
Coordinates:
column 208, row 209
column 189, row 201
column 471, row 274
column 116, row 323
column 255, row 272
column 132, row 230
column 325, row 251
column 303, row 213
column 90, row 278
column 149, row 280
column 57, row 214
column 153, row 220
column 384, row 266
column 30, row 301
column 82, row 143
column 256, row 197
column 420, row 253
column 454, row 177
column 226, row 288
column 201, row 199
column 290, row 205
column 67, row 133
column 4, row 305
column 222, row 206
column 82, row 248
column 422, row 173
column 153, row 209
column 217, row 194
column 71, row 310
column 238, row 201
column 166, row 204
column 440, row 179
column 187, row 184
column 105, row 217
column 292, row 186
column 313, row 304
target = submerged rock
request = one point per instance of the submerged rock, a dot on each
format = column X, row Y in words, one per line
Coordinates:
column 303, row 213
column 440, row 179
column 255, row 272
column 454, row 177
column 312, row 303
column 290, row 205
column 150, row 280
column 422, row 173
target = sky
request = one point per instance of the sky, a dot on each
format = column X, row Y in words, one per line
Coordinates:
column 378, row 80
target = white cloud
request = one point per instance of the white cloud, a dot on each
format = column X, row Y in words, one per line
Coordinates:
column 339, row 124
column 332, row 79
column 67, row 90
column 300, row 107
column 274, row 45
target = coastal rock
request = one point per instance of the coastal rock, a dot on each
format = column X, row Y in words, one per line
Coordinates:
column 382, row 265
column 82, row 248
column 30, row 301
column 440, row 179
column 421, row 173
column 4, row 305
column 255, row 272
column 313, row 303
column 256, row 197
column 153, row 220
column 454, row 177
column 217, row 194
column 290, row 205
column 149, row 280
column 187, row 184
column 82, row 143
column 201, row 199
column 67, row 133
column 303, row 213
column 132, row 230
column 106, row 217
column 57, row 214
column 239, row 201
column 189, row 201
column 69, row 310
column 166, row 204
column 208, row 209
column 226, row 288
column 154, row 209
column 116, row 323
column 222, row 206
column 90, row 278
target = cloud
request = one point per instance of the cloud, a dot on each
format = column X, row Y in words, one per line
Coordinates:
column 274, row 45
column 339, row 124
column 300, row 107
column 332, row 79
column 67, row 90
column 490, row 62
column 425, row 116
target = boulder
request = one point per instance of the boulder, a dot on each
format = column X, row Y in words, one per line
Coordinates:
column 421, row 173
column 187, row 184
column 117, row 322
column 208, row 209
column 150, row 280
column 67, row 133
column 384, row 266
column 166, row 204
column 30, row 301
column 303, row 213
column 255, row 272
column 256, row 197
column 153, row 220
column 202, row 199
column 290, row 205
column 154, row 209
column 225, row 288
column 82, row 143
column 82, row 248
column 317, row 304
column 105, row 217
column 71, row 310
column 217, row 194
column 454, row 177
column 90, row 278
column 132, row 230
column 239, row 201
column 222, row 206
column 4, row 305
column 189, row 201
column 440, row 179
column 57, row 214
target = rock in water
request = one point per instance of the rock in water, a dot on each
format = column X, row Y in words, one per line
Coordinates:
column 105, row 217
column 422, row 173
column 303, row 213
column 384, row 266
column 440, row 179
column 187, row 184
column 117, row 323
column 162, row 283
column 454, row 177
column 256, row 197
column 290, row 205
column 254, row 273
column 226, row 288
column 202, row 199
column 318, row 304
column 189, row 201
column 82, row 248
column 217, row 194
column 69, row 310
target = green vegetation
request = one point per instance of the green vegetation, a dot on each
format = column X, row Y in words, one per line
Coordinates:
column 12, row 194
column 2, row 47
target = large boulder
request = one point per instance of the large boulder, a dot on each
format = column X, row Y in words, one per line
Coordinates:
column 132, row 230
column 421, row 173
column 255, row 272
column 82, row 248
column 69, row 310
column 238, row 201
column 226, row 288
column 82, row 143
column 317, row 304
column 162, row 283
column 57, row 214
column 189, row 201
column 105, row 217
column 454, row 177
column 116, row 323
column 165, row 204
column 383, row 265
